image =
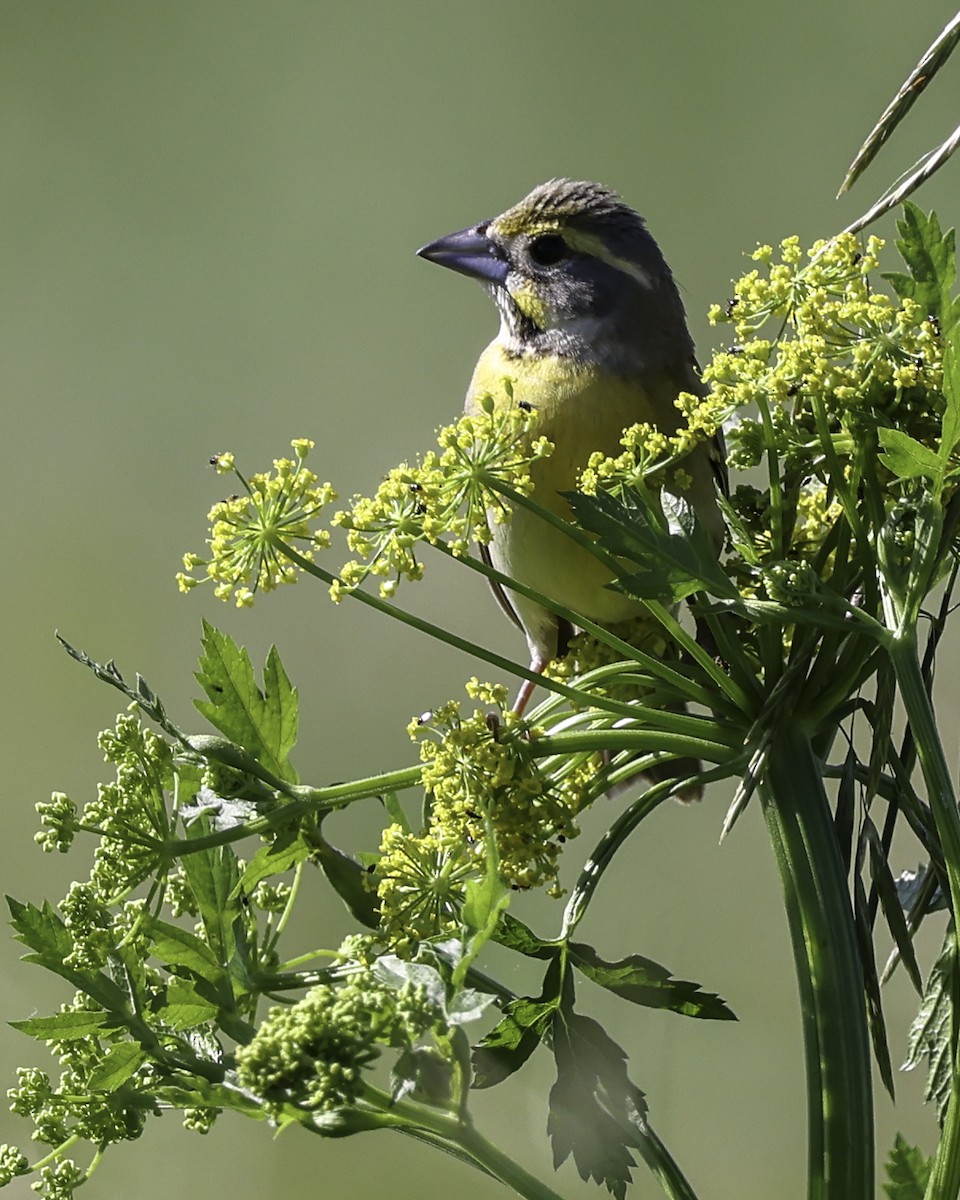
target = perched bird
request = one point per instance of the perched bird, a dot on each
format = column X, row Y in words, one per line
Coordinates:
column 593, row 338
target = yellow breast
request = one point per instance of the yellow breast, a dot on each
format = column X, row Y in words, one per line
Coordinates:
column 580, row 410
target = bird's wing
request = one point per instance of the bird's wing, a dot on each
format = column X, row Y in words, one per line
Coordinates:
column 499, row 592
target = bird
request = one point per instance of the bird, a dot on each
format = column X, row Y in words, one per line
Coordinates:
column 592, row 339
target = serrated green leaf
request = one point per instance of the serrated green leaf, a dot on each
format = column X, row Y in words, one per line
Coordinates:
column 185, row 1008
column 929, row 255
column 643, row 981
column 178, row 947
column 673, row 562
column 526, row 1021
column 908, row 1171
column 931, row 1034
column 907, row 458
column 66, row 1026
column 264, row 722
column 511, row 1042
column 119, row 1063
column 512, row 933
column 286, row 851
column 595, row 1110
column 43, row 931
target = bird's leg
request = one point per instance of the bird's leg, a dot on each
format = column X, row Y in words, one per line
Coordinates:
column 538, row 665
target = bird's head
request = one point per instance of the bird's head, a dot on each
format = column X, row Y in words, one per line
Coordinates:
column 574, row 271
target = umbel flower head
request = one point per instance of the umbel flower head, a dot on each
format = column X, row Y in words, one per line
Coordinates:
column 856, row 358
column 451, row 495
column 482, row 781
column 314, row 1053
column 648, row 452
column 249, row 531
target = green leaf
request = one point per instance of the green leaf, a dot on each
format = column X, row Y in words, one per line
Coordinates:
column 213, row 876
column 526, row 1021
column 674, row 562
column 931, row 1034
column 64, row 1027
column 44, row 932
column 908, row 1171
column 595, row 1110
column 264, row 722
column 486, row 900
column 391, row 802
column 512, row 933
column 930, row 259
column 141, row 694
column 510, row 1043
column 422, row 1073
column 643, row 981
column 890, row 902
column 950, row 434
column 185, row 1008
column 286, row 851
column 871, row 980
column 349, row 880
column 178, row 947
column 120, row 1062
column 907, row 458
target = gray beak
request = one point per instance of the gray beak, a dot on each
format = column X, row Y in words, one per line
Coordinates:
column 471, row 252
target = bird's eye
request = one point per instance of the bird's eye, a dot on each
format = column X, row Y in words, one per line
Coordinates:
column 548, row 249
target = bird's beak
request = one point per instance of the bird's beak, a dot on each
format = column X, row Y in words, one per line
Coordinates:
column 471, row 252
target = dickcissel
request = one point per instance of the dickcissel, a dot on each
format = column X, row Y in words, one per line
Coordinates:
column 593, row 339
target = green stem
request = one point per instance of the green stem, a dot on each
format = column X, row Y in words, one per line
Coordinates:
column 473, row 648
column 681, row 745
column 462, row 1139
column 604, row 852
column 309, row 800
column 945, row 1176
column 663, row 1165
column 839, row 1094
column 902, row 647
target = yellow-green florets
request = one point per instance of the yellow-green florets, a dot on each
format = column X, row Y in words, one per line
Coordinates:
column 450, row 496
column 480, row 773
column 249, row 532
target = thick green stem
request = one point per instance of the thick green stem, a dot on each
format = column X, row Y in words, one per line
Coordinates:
column 839, row 1093
column 945, row 1177
column 463, row 1140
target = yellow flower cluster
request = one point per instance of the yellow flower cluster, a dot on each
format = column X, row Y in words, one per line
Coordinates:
column 451, row 495
column 861, row 357
column 647, row 450
column 480, row 775
column 421, row 885
column 249, row 531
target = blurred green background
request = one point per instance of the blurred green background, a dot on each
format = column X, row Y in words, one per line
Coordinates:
column 209, row 212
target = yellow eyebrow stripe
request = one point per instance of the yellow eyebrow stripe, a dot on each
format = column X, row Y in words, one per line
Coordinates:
column 589, row 243
column 586, row 243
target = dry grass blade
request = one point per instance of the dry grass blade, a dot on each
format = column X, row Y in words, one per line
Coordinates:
column 914, row 178
column 900, row 105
